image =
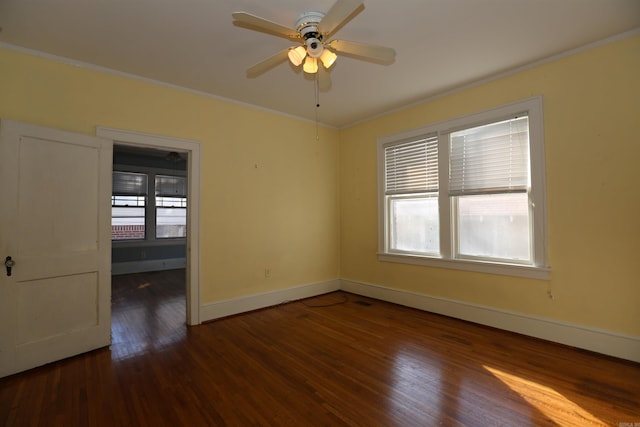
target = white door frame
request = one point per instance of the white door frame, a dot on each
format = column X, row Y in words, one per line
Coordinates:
column 192, row 148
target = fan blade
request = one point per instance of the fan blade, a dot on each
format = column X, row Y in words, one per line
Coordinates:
column 253, row 22
column 338, row 15
column 267, row 64
column 379, row 54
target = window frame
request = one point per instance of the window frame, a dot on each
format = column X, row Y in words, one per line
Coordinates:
column 539, row 268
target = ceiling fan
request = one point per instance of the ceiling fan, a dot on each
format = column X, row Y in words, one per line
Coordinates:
column 313, row 31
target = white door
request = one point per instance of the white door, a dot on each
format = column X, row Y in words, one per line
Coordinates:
column 55, row 219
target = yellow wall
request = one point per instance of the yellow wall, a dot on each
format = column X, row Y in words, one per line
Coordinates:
column 592, row 128
column 307, row 210
column 269, row 188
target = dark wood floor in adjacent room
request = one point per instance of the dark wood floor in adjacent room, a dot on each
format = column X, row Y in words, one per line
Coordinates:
column 337, row 359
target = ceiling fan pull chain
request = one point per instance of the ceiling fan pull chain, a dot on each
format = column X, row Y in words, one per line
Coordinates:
column 317, row 93
column 317, row 89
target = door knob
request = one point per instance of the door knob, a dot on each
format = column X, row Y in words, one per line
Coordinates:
column 9, row 263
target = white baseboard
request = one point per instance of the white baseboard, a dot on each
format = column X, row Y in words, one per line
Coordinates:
column 238, row 305
column 575, row 335
column 147, row 265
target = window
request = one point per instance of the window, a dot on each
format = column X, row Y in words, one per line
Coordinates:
column 171, row 206
column 128, row 205
column 488, row 184
column 467, row 193
column 148, row 206
column 411, row 191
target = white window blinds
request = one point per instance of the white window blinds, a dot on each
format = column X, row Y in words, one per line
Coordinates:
column 412, row 167
column 171, row 186
column 129, row 184
column 492, row 158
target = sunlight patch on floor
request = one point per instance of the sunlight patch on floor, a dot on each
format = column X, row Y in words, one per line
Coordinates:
column 545, row 399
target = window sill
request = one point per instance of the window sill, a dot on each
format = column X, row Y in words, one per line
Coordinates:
column 529, row 272
column 146, row 243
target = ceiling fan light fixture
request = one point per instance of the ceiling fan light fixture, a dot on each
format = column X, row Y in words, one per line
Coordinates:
column 328, row 58
column 315, row 30
column 297, row 54
column 310, row 65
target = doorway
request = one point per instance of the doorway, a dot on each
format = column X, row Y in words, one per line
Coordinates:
column 148, row 231
column 190, row 151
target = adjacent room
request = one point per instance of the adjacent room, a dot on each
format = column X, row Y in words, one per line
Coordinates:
column 320, row 212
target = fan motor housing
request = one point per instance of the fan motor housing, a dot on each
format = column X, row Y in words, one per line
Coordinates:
column 307, row 24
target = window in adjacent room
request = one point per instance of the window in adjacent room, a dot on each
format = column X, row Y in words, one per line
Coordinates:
column 148, row 206
column 171, row 206
column 467, row 193
column 128, row 205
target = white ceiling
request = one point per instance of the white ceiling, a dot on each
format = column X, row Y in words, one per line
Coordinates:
column 440, row 45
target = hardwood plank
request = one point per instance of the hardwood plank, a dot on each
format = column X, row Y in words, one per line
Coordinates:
column 329, row 360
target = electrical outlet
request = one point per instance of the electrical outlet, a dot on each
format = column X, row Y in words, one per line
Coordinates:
column 267, row 273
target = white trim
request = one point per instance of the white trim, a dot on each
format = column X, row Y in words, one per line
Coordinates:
column 142, row 139
column 515, row 270
column 571, row 334
column 243, row 304
column 192, row 148
column 575, row 335
column 118, row 244
column 129, row 267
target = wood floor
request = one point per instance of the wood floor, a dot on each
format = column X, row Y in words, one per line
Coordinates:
column 338, row 359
